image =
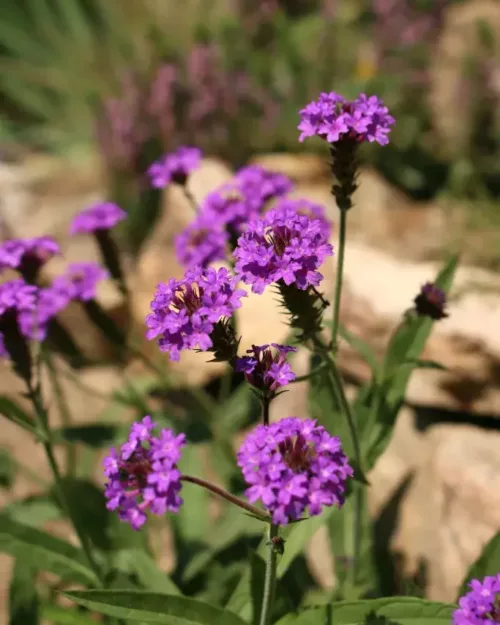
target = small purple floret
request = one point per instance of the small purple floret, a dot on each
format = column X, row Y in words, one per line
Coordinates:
column 283, row 245
column 143, row 475
column 264, row 369
column 102, row 216
column 174, row 167
column 294, row 466
column 27, row 254
column 201, row 243
column 184, row 312
column 334, row 118
column 78, row 282
column 16, row 299
column 431, row 302
column 481, row 605
column 302, row 206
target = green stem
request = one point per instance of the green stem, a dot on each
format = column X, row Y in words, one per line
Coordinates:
column 63, row 409
column 220, row 492
column 42, row 421
column 270, row 578
column 338, row 278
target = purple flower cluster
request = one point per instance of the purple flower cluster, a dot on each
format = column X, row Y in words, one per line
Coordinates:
column 302, row 206
column 27, row 254
column 78, row 282
column 265, row 370
column 16, row 300
column 201, row 243
column 283, row 245
column 431, row 302
column 102, row 216
column 143, row 475
column 292, row 466
column 480, row 606
column 184, row 312
column 334, row 118
column 174, row 167
column 225, row 211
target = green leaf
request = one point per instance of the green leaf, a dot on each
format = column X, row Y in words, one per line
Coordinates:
column 7, row 469
column 241, row 409
column 192, row 520
column 23, row 598
column 95, row 435
column 46, row 552
column 153, row 607
column 386, row 611
column 282, row 602
column 58, row 615
column 141, row 564
column 33, row 511
column 488, row 563
column 363, row 348
column 16, row 414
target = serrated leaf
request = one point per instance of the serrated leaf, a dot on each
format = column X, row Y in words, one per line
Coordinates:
column 10, row 410
column 45, row 551
column 488, row 563
column 153, row 607
column 23, row 597
column 386, row 611
column 144, row 567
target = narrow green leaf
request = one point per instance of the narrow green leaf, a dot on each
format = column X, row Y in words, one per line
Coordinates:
column 488, row 563
column 46, row 552
column 241, row 409
column 95, row 435
column 192, row 520
column 14, row 413
column 141, row 564
column 7, row 469
column 23, row 598
column 389, row 610
column 33, row 511
column 363, row 348
column 57, row 615
column 153, row 607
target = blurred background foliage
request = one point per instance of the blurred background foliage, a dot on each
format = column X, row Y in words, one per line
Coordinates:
column 138, row 77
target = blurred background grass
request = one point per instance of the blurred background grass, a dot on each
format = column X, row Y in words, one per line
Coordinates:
column 133, row 78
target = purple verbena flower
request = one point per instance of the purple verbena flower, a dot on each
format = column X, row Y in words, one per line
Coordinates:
column 481, row 605
column 260, row 185
column 174, row 167
column 431, row 302
column 185, row 312
column 201, row 243
column 27, row 255
column 143, row 475
column 283, row 245
column 78, row 282
column 302, row 206
column 265, row 370
column 101, row 216
column 334, row 118
column 293, row 466
column 16, row 298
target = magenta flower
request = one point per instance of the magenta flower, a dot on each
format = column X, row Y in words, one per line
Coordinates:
column 174, row 167
column 294, row 466
column 201, row 243
column 16, row 299
column 78, row 282
column 480, row 606
column 185, row 312
column 334, row 118
column 102, row 216
column 143, row 475
column 228, row 206
column 283, row 245
column 265, row 370
column 259, row 185
column 431, row 302
column 310, row 209
column 27, row 255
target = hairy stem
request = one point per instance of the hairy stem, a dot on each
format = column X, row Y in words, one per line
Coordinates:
column 270, row 578
column 339, row 278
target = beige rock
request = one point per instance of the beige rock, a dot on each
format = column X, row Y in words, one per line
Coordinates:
column 300, row 168
column 452, row 508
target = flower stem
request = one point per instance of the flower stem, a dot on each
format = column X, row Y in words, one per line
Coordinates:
column 270, row 578
column 217, row 490
column 266, row 402
column 42, row 421
column 338, row 278
column 191, row 199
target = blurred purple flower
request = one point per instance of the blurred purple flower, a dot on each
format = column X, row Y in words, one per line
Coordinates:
column 174, row 167
column 143, row 475
column 334, row 118
column 310, row 209
column 481, row 605
column 283, row 245
column 27, row 255
column 201, row 243
column 431, row 302
column 294, row 466
column 259, row 185
column 264, row 369
column 16, row 299
column 78, row 282
column 185, row 312
column 101, row 216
